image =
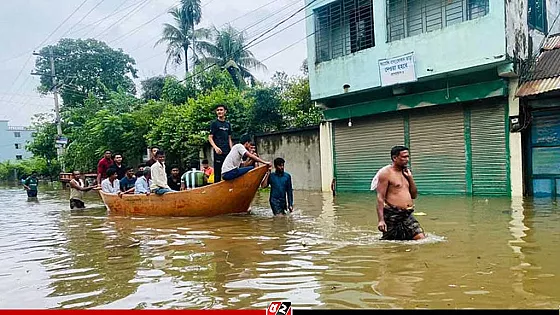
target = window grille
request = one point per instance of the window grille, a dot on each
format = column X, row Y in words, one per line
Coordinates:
column 407, row 18
column 343, row 27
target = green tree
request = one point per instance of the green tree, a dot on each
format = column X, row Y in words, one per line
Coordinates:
column 152, row 88
column 265, row 114
column 182, row 130
column 227, row 49
column 43, row 143
column 84, row 67
column 180, row 37
column 175, row 92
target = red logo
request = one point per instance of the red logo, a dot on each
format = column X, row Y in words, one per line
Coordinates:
column 279, row 308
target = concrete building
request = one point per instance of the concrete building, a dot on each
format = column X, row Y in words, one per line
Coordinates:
column 13, row 140
column 437, row 76
column 539, row 122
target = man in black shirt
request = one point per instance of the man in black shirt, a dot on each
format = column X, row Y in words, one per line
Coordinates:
column 174, row 180
column 220, row 139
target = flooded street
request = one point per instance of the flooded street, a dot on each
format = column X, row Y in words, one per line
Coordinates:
column 480, row 253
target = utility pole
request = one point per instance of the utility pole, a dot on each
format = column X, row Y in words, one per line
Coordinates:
column 59, row 147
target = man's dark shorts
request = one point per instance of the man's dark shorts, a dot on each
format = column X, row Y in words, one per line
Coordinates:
column 32, row 193
column 78, row 204
column 401, row 224
column 278, row 206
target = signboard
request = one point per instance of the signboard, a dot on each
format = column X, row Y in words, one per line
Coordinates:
column 397, row 70
column 62, row 140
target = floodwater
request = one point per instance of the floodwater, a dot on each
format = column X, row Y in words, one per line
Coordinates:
column 480, row 253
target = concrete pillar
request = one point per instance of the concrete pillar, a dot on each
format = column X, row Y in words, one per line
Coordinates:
column 326, row 148
column 515, row 148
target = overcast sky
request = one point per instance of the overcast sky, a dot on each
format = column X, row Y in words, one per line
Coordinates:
column 25, row 24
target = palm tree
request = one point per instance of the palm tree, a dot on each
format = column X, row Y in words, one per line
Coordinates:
column 181, row 36
column 227, row 50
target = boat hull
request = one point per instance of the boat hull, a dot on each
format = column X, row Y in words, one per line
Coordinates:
column 225, row 197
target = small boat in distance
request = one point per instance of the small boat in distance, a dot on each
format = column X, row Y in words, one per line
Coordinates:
column 225, row 197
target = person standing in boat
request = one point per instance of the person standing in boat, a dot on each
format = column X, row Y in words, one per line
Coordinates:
column 103, row 166
column 152, row 159
column 220, row 140
column 119, row 166
column 77, row 190
column 159, row 176
column 280, row 186
column 396, row 190
column 143, row 183
column 231, row 169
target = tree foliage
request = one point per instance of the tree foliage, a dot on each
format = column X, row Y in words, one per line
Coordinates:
column 83, row 67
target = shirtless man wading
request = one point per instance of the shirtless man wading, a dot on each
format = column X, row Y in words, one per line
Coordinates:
column 395, row 193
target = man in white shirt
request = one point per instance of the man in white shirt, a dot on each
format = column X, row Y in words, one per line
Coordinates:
column 111, row 184
column 230, row 168
column 142, row 184
column 159, row 176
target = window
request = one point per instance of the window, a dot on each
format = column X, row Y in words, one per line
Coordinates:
column 17, row 134
column 18, row 146
column 19, row 157
column 407, row 18
column 536, row 15
column 343, row 27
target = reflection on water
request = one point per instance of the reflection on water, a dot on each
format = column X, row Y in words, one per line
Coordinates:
column 480, row 252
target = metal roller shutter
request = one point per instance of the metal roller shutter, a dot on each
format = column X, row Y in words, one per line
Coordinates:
column 361, row 150
column 489, row 150
column 437, row 150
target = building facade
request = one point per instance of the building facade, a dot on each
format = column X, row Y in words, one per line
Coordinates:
column 13, row 140
column 437, row 76
column 539, row 122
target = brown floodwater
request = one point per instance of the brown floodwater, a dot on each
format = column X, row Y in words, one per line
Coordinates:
column 480, row 253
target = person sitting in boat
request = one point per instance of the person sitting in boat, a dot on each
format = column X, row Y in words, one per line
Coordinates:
column 143, row 183
column 174, row 180
column 159, row 176
column 128, row 182
column 208, row 171
column 231, row 169
column 250, row 162
column 111, row 184
column 193, row 178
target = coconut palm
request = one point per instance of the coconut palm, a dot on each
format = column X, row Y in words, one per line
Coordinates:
column 227, row 49
column 181, row 36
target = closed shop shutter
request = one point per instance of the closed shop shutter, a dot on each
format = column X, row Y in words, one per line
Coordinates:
column 545, row 152
column 437, row 150
column 489, row 150
column 364, row 148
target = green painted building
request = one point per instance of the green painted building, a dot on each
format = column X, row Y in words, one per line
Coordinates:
column 437, row 76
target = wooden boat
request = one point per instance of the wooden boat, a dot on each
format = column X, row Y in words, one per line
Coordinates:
column 225, row 197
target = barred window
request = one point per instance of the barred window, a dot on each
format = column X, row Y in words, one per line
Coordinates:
column 343, row 27
column 407, row 18
column 536, row 14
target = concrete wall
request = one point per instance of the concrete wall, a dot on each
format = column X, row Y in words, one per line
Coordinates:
column 517, row 31
column 300, row 149
column 461, row 46
column 8, row 140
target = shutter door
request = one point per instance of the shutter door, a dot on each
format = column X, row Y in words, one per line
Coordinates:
column 437, row 150
column 364, row 148
column 545, row 152
column 489, row 150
